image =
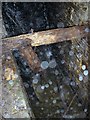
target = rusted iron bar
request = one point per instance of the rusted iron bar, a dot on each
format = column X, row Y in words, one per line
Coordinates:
column 46, row 37
column 28, row 53
column 58, row 35
column 25, row 42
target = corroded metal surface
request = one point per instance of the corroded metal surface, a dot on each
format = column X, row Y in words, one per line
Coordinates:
column 63, row 81
column 32, row 58
column 61, row 89
column 48, row 93
column 49, row 68
column 46, row 37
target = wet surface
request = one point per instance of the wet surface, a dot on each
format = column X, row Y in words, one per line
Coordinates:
column 60, row 89
column 58, row 83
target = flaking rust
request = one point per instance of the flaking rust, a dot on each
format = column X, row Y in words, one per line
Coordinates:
column 28, row 53
column 46, row 37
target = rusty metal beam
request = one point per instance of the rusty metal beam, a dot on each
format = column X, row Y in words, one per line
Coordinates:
column 28, row 53
column 45, row 37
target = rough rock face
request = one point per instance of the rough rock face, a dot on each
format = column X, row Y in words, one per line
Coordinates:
column 61, row 89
